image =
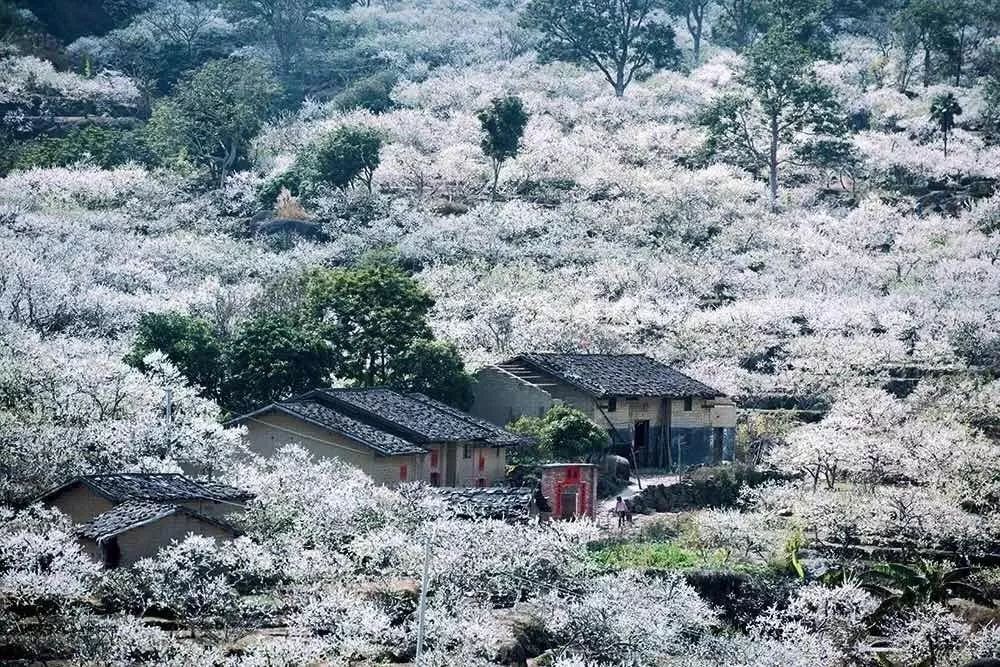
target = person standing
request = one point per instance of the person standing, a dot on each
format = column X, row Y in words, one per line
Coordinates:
column 621, row 509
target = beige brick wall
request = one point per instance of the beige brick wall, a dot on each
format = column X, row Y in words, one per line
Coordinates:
column 698, row 417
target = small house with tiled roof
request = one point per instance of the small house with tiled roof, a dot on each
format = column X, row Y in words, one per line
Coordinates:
column 137, row 529
column 662, row 417
column 122, row 517
column 392, row 436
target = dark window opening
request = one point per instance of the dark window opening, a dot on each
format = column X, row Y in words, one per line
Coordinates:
column 466, row 452
column 612, row 404
column 688, row 404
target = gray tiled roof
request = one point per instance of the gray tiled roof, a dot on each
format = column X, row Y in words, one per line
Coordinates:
column 378, row 439
column 422, row 418
column 390, row 422
column 491, row 502
column 619, row 375
column 492, row 433
column 161, row 487
column 134, row 513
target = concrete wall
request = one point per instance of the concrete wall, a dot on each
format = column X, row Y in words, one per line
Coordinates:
column 80, row 504
column 145, row 540
column 500, row 397
column 269, row 432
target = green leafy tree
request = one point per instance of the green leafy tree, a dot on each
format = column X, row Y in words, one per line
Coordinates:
column 372, row 92
column 345, row 156
column 371, row 315
column 835, row 158
column 738, row 24
column 214, row 114
column 693, row 12
column 742, row 23
column 435, row 369
column 102, row 146
column 783, row 104
column 188, row 342
column 563, row 434
column 924, row 25
column 503, row 123
column 621, row 38
column 273, row 357
column 289, row 25
column 944, row 109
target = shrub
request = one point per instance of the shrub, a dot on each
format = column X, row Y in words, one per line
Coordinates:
column 372, row 93
column 101, row 146
column 346, row 156
column 654, row 555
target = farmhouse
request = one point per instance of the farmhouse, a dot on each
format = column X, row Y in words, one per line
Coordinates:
column 391, row 436
column 123, row 517
column 669, row 419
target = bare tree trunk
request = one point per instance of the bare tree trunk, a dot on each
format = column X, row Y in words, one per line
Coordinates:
column 496, row 178
column 960, row 58
column 772, row 177
column 927, row 66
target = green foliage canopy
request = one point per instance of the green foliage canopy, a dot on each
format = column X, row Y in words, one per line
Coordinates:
column 213, row 114
column 503, row 123
column 782, row 105
column 621, row 38
column 346, row 155
column 188, row 342
column 563, row 434
column 371, row 315
column 273, row 357
column 944, row 109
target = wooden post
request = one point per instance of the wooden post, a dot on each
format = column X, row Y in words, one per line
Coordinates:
column 422, row 604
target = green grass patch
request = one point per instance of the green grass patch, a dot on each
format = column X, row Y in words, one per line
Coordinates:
column 659, row 555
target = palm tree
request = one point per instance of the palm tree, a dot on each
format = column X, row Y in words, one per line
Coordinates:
column 944, row 109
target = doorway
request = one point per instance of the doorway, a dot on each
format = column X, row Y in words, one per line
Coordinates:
column 717, row 445
column 567, row 503
column 111, row 553
column 450, row 464
column 640, row 435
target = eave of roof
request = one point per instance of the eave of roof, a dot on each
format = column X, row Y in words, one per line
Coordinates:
column 543, row 361
column 215, row 492
column 116, row 520
column 285, row 407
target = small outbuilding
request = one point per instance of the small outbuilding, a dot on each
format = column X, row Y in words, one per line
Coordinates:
column 138, row 529
column 571, row 489
column 122, row 517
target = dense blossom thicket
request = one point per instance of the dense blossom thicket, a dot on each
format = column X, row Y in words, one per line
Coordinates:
column 853, row 310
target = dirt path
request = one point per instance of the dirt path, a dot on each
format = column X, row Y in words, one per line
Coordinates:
column 605, row 508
